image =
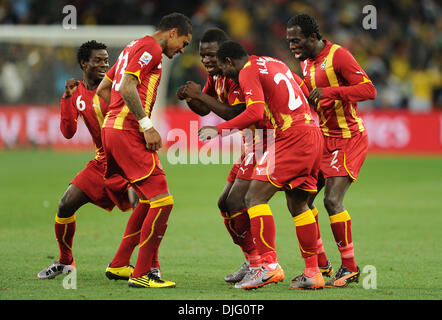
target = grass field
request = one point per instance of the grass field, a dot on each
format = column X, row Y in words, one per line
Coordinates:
column 396, row 210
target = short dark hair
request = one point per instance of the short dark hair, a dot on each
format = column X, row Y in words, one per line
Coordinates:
column 85, row 50
column 176, row 20
column 215, row 35
column 231, row 49
column 307, row 24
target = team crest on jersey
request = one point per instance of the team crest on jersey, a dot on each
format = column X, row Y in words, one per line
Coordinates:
column 323, row 64
column 145, row 59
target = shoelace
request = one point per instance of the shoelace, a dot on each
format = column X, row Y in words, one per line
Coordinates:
column 249, row 274
column 257, row 274
column 53, row 268
column 339, row 273
column 154, row 277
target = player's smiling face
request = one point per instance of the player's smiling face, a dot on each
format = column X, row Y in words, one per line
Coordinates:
column 208, row 52
column 97, row 65
column 300, row 46
column 176, row 44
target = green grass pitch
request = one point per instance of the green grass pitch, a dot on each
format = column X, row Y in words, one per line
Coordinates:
column 396, row 210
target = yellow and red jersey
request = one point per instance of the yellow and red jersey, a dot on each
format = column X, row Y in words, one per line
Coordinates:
column 227, row 91
column 343, row 83
column 141, row 58
column 224, row 89
column 91, row 108
column 273, row 98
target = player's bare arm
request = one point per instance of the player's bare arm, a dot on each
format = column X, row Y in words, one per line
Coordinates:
column 225, row 111
column 70, row 87
column 68, row 113
column 104, row 90
column 129, row 93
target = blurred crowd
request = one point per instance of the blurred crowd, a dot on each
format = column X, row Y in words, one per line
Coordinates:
column 402, row 54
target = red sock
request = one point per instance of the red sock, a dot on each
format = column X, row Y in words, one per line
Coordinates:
column 64, row 232
column 131, row 237
column 152, row 232
column 322, row 258
column 306, row 231
column 341, row 227
column 262, row 227
column 155, row 260
column 238, row 226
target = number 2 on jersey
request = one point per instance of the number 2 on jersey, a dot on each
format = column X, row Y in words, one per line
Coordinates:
column 294, row 100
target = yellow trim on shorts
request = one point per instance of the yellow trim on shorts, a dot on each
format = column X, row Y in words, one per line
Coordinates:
column 348, row 171
column 147, row 176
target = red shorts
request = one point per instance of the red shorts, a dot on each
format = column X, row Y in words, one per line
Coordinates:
column 103, row 193
column 127, row 155
column 243, row 168
column 344, row 157
column 293, row 161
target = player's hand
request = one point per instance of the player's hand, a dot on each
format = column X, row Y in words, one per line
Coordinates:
column 153, row 139
column 315, row 96
column 207, row 133
column 180, row 93
column 192, row 90
column 70, row 87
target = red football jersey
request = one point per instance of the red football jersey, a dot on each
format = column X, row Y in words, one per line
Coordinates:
column 343, row 83
column 273, row 95
column 141, row 58
column 225, row 90
column 228, row 92
column 91, row 108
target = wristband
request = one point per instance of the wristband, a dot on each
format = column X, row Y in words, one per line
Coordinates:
column 145, row 123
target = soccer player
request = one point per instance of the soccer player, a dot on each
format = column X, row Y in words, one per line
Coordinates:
column 336, row 83
column 291, row 164
column 131, row 142
column 80, row 100
column 224, row 97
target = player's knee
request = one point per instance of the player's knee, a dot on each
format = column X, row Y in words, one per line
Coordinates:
column 251, row 200
column 65, row 208
column 333, row 204
column 234, row 203
column 311, row 200
column 222, row 203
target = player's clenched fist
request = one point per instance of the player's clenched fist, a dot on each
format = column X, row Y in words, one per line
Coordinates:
column 153, row 139
column 70, row 87
column 207, row 133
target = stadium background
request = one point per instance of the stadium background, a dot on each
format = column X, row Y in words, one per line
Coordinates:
column 402, row 56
